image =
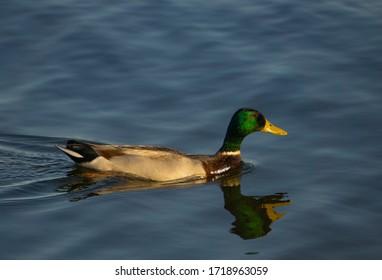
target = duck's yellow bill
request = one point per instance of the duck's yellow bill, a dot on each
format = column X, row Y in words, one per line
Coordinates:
column 270, row 128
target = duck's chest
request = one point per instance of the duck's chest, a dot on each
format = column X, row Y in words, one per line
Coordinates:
column 221, row 164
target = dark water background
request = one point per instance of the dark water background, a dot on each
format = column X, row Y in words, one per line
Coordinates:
column 172, row 73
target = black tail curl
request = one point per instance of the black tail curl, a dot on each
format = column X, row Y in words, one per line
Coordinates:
column 84, row 149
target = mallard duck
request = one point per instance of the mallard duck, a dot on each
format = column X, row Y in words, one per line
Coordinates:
column 164, row 164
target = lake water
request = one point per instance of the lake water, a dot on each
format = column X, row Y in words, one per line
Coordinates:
column 172, row 73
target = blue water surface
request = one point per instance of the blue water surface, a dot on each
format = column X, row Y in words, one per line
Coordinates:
column 172, row 73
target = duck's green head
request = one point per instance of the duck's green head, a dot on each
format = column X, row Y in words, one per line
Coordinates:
column 244, row 122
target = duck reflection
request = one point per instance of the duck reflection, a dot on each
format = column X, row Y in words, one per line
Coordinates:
column 253, row 214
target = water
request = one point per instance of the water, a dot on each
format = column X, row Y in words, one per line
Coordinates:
column 171, row 73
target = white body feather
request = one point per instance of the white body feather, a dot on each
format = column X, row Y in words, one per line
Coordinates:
column 148, row 163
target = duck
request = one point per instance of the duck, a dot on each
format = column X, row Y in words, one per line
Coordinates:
column 162, row 164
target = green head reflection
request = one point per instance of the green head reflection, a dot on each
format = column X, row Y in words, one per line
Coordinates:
column 254, row 215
